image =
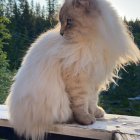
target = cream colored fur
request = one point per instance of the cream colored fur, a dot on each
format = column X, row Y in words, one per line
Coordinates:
column 38, row 97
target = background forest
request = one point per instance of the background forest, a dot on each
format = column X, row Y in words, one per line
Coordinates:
column 22, row 22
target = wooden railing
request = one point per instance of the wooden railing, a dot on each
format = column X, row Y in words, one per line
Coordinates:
column 111, row 127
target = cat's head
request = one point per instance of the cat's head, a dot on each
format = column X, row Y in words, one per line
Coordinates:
column 78, row 19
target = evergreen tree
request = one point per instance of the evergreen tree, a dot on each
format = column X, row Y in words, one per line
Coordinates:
column 9, row 8
column 52, row 9
column 38, row 10
column 2, row 7
column 27, row 22
column 32, row 7
column 14, row 27
column 4, row 36
column 4, row 72
column 43, row 13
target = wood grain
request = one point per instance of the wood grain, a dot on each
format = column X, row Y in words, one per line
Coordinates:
column 111, row 127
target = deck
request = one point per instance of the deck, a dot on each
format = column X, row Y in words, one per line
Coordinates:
column 111, row 127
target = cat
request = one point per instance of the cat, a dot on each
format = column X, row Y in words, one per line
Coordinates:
column 66, row 68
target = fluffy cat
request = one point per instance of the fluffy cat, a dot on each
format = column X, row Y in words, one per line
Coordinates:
column 61, row 76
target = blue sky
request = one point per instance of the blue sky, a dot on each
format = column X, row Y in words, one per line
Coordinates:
column 128, row 8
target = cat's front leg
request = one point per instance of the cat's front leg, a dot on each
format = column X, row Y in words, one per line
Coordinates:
column 99, row 112
column 79, row 107
column 94, row 109
column 77, row 87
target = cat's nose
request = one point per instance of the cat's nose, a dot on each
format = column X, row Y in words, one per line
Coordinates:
column 61, row 33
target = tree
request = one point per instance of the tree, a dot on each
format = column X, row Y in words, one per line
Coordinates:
column 4, row 72
column 9, row 8
column 22, row 30
column 52, row 9
column 4, row 33
column 2, row 7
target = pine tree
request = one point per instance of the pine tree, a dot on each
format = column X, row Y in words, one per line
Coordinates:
column 38, row 10
column 9, row 8
column 43, row 16
column 52, row 8
column 4, row 36
column 32, row 7
column 4, row 72
column 2, row 7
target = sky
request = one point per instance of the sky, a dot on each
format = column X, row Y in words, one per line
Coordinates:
column 126, row 8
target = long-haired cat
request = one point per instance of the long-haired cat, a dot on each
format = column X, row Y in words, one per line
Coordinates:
column 65, row 69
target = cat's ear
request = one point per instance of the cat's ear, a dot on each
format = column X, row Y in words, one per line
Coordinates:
column 81, row 3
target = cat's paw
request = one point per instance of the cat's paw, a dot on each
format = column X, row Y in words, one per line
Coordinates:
column 99, row 113
column 85, row 119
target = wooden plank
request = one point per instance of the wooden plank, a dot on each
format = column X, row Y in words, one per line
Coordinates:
column 79, row 131
column 103, row 129
column 4, row 112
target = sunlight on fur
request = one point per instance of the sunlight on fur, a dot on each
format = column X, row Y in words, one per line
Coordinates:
column 61, row 76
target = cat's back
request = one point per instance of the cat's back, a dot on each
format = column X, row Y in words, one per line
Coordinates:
column 45, row 42
column 37, row 62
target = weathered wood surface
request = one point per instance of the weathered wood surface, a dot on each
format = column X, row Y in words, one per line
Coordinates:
column 111, row 127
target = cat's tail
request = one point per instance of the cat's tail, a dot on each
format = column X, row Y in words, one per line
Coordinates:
column 117, row 41
column 32, row 118
column 117, row 36
column 38, row 100
column 130, row 52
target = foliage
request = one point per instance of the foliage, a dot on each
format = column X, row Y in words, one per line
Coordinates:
column 116, row 100
column 134, row 27
column 5, row 77
column 27, row 22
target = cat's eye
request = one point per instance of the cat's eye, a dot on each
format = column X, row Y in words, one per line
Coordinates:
column 69, row 22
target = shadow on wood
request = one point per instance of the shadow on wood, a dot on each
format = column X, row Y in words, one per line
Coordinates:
column 9, row 134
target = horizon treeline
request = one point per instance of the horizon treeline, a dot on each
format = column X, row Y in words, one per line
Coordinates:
column 26, row 22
